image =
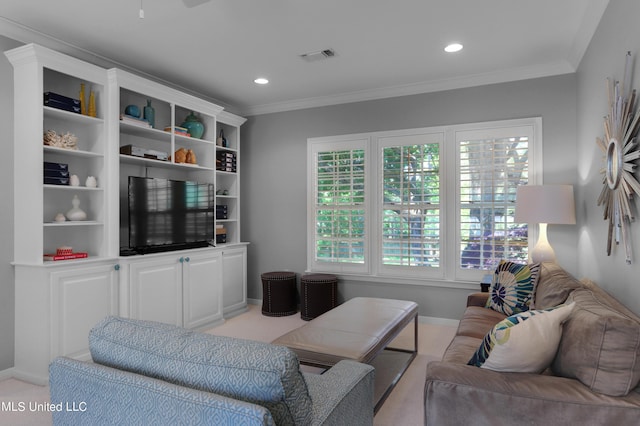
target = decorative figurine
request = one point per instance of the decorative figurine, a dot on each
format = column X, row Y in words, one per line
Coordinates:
column 76, row 213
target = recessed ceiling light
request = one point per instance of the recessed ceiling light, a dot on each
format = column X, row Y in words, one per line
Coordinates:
column 261, row 80
column 453, row 47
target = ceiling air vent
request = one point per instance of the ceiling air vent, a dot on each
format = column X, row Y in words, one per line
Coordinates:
column 319, row 55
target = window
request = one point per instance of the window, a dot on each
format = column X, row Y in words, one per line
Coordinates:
column 491, row 165
column 432, row 203
column 339, row 206
column 409, row 213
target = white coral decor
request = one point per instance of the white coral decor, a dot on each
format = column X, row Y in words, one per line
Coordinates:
column 68, row 140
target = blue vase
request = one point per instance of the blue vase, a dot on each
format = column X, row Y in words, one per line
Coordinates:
column 194, row 125
column 150, row 114
column 132, row 110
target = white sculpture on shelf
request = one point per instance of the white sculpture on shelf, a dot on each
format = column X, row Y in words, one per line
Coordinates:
column 76, row 213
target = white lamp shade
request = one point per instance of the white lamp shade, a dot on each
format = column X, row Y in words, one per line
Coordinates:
column 545, row 204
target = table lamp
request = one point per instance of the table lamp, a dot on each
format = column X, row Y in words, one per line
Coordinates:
column 545, row 204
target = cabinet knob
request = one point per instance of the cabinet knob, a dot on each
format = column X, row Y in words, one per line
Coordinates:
column 187, row 259
column 116, row 267
column 181, row 259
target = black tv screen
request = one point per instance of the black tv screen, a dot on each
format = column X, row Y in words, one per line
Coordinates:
column 170, row 214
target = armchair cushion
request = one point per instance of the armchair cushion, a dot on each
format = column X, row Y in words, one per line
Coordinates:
column 108, row 396
column 250, row 371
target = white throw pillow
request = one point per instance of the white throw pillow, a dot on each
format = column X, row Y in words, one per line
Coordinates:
column 526, row 342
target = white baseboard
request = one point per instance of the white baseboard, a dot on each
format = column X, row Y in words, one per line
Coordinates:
column 6, row 374
column 438, row 321
column 422, row 319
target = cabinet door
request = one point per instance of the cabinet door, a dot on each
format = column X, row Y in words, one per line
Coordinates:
column 234, row 279
column 80, row 298
column 156, row 289
column 202, row 289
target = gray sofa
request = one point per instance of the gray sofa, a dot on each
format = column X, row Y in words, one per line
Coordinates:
column 152, row 373
column 593, row 379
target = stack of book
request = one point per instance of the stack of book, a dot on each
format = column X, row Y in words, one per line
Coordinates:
column 65, row 103
column 178, row 130
column 56, row 173
column 226, row 161
column 66, row 256
column 130, row 119
column 221, row 234
column 222, row 211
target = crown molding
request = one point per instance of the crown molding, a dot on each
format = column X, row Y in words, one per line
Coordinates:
column 514, row 74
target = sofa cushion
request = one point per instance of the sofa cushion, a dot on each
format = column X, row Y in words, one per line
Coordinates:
column 461, row 349
column 553, row 286
column 250, row 371
column 600, row 346
column 512, row 287
column 477, row 322
column 525, row 342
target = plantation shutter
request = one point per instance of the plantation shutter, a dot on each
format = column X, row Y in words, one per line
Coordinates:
column 490, row 170
column 410, row 213
column 339, row 206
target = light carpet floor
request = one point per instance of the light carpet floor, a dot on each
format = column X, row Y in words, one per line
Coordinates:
column 404, row 407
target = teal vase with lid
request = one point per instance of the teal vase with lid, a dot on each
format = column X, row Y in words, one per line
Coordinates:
column 194, row 125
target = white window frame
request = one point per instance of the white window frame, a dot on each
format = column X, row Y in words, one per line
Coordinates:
column 338, row 143
column 405, row 138
column 499, row 129
column 373, row 143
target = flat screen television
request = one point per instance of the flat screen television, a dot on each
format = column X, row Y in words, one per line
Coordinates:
column 169, row 214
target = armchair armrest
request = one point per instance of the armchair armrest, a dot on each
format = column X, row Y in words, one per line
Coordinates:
column 477, row 299
column 342, row 395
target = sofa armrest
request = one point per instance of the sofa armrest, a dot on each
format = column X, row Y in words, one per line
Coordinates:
column 342, row 395
column 457, row 394
column 477, row 299
column 88, row 393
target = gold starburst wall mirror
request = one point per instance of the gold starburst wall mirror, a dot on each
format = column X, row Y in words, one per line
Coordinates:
column 620, row 150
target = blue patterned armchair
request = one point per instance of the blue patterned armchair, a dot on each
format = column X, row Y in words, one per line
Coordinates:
column 151, row 373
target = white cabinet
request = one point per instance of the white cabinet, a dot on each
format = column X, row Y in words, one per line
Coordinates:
column 234, row 280
column 156, row 289
column 202, row 289
column 55, row 307
column 181, row 288
column 57, row 303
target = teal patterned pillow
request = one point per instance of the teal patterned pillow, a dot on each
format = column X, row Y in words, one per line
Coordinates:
column 512, row 287
column 526, row 342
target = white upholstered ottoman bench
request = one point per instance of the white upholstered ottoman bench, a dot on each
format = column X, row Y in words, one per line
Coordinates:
column 360, row 329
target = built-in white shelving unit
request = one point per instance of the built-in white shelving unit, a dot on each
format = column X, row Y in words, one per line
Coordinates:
column 57, row 302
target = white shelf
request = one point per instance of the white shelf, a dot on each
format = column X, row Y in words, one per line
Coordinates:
column 71, row 188
column 71, row 152
column 72, row 223
column 70, row 116
column 159, row 163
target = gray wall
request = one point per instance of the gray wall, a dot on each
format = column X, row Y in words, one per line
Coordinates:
column 274, row 171
column 617, row 33
column 6, row 207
